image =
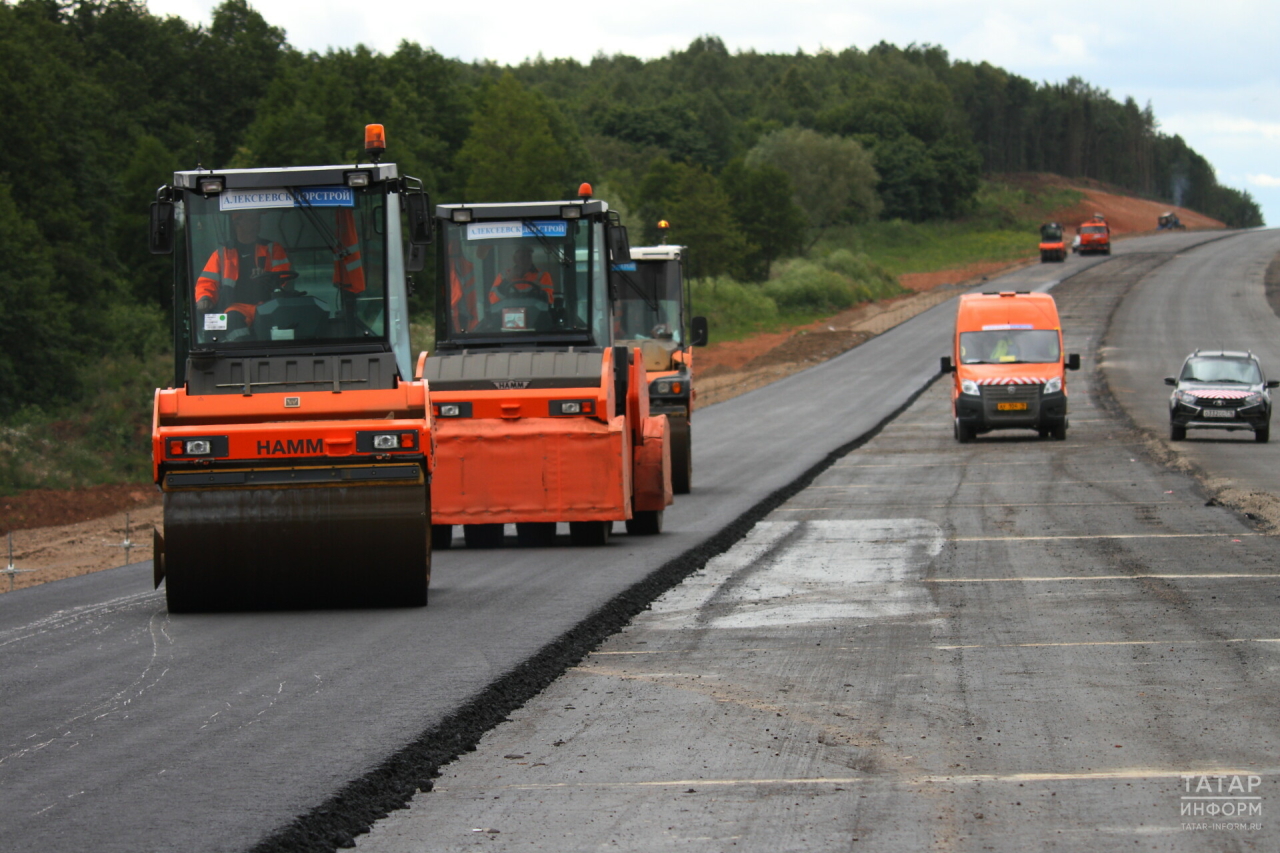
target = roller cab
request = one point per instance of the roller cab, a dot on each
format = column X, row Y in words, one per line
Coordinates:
column 652, row 315
column 541, row 416
column 294, row 447
column 1007, row 365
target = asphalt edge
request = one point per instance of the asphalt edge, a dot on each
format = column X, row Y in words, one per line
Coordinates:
column 352, row 811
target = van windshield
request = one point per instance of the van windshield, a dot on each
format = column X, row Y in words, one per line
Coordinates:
column 1010, row 346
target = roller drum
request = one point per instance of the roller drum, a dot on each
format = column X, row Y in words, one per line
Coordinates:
column 297, row 548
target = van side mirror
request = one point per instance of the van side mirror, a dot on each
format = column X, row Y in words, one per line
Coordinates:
column 160, row 239
column 1169, row 380
column 947, row 366
column 619, row 245
column 699, row 333
column 1073, row 361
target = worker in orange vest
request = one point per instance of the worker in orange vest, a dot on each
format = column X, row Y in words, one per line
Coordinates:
column 521, row 279
column 243, row 264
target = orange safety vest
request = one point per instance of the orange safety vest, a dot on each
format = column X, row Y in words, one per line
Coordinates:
column 462, row 294
column 223, row 267
column 348, row 268
column 523, row 285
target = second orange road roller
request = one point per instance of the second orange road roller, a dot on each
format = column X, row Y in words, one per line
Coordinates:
column 294, row 446
column 541, row 417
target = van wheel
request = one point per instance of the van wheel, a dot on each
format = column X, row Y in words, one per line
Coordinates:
column 1059, row 431
column 1177, row 433
column 590, row 532
column 1043, row 431
column 964, row 432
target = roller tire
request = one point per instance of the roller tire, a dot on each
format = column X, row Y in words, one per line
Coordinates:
column 482, row 536
column 590, row 533
column 645, row 522
column 292, row 549
column 441, row 537
column 536, row 534
column 681, row 456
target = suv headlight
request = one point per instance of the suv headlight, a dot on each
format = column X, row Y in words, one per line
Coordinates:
column 1053, row 386
column 1184, row 397
column 968, row 386
column 1253, row 399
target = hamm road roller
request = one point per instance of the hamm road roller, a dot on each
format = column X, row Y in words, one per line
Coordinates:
column 652, row 315
column 294, row 448
column 540, row 416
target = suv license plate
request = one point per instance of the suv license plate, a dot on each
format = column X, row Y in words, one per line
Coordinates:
column 1219, row 413
column 1011, row 407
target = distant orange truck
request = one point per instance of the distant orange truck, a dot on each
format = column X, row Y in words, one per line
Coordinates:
column 1095, row 236
column 1008, row 365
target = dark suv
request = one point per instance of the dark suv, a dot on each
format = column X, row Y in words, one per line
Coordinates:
column 1220, row 389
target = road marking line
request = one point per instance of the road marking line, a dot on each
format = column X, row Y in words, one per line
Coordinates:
column 1098, row 536
column 992, row 505
column 1270, row 576
column 968, row 779
column 970, row 464
column 1109, row 643
column 1082, row 483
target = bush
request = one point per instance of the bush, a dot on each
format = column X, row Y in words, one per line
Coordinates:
column 732, row 309
column 839, row 281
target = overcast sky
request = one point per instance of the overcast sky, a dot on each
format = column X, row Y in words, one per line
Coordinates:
column 1210, row 70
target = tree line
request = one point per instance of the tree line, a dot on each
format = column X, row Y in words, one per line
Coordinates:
column 748, row 155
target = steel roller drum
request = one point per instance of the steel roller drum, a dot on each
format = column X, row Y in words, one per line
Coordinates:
column 296, row 548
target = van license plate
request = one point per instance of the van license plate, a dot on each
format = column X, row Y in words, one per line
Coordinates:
column 1011, row 407
column 1219, row 413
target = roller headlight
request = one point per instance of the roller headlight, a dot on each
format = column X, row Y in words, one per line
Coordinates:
column 1053, row 386
column 968, row 386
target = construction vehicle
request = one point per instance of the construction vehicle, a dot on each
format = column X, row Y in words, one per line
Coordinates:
column 541, row 416
column 1008, row 365
column 294, row 447
column 1095, row 236
column 1169, row 221
column 1052, row 246
column 651, row 314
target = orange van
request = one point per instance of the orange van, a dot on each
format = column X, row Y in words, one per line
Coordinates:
column 1008, row 365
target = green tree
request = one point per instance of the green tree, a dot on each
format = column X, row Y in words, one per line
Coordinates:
column 511, row 154
column 701, row 217
column 832, row 177
column 763, row 207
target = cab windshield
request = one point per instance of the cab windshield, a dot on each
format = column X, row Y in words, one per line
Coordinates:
column 288, row 266
column 1242, row 371
column 523, row 280
column 1010, row 346
column 648, row 301
column 1093, row 229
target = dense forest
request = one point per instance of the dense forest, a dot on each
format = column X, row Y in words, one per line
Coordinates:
column 749, row 155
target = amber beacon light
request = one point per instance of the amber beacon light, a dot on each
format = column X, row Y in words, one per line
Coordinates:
column 375, row 141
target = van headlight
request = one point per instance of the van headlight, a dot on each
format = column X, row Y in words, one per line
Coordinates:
column 968, row 386
column 1053, row 386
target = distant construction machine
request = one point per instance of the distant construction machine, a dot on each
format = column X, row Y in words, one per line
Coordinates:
column 652, row 315
column 541, row 416
column 1052, row 246
column 294, row 447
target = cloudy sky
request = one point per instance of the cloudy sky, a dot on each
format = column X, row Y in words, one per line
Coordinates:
column 1210, row 70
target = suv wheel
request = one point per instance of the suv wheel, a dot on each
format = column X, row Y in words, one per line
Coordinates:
column 1262, row 435
column 1177, row 433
